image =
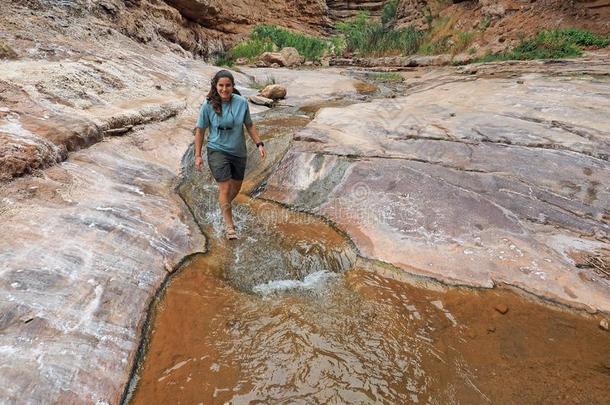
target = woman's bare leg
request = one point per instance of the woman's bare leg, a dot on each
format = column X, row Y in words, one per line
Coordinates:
column 235, row 187
column 225, row 190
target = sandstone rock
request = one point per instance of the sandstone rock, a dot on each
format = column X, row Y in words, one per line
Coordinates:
column 6, row 52
column 241, row 61
column 274, row 92
column 260, row 100
column 501, row 308
column 462, row 58
column 291, row 56
column 603, row 324
column 431, row 60
column 417, row 176
column 269, row 58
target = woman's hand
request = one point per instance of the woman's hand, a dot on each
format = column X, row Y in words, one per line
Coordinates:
column 198, row 162
column 262, row 151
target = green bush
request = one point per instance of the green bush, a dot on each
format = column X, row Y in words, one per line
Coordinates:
column 551, row 44
column 388, row 14
column 386, row 76
column 311, row 48
column 370, row 38
column 251, row 48
column 223, row 59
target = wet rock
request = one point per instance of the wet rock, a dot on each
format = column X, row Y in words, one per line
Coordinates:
column 274, row 92
column 501, row 308
column 603, row 324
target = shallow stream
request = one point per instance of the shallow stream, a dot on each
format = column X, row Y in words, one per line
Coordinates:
column 291, row 314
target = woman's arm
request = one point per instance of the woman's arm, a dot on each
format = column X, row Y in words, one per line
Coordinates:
column 199, row 138
column 256, row 139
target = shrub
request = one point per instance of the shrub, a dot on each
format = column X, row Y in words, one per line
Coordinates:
column 250, row 49
column 370, row 38
column 311, row 48
column 551, row 44
column 222, row 59
column 388, row 14
column 386, row 76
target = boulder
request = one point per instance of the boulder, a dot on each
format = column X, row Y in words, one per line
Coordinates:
column 291, row 56
column 270, row 58
column 260, row 100
column 274, row 92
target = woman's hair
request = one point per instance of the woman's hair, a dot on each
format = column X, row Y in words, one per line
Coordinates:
column 213, row 96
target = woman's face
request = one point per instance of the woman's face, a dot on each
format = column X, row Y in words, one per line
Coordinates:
column 224, row 88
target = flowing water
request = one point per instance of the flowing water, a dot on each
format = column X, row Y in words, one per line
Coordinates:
column 290, row 314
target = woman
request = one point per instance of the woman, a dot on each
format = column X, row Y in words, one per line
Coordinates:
column 225, row 112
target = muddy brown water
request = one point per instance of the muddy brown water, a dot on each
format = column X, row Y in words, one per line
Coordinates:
column 359, row 337
column 289, row 314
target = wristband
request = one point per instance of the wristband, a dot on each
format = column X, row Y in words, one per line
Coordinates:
column 259, row 144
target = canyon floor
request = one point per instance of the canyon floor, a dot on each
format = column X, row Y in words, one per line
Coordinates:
column 479, row 176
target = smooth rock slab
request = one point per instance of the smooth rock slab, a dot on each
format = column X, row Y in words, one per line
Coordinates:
column 83, row 249
column 473, row 182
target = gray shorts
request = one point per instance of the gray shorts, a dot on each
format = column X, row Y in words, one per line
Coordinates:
column 225, row 166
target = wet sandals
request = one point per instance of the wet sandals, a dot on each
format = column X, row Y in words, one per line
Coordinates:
column 230, row 233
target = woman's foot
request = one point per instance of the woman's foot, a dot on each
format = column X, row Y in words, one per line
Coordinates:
column 230, row 233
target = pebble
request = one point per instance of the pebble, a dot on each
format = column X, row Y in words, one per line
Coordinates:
column 603, row 324
column 491, row 329
column 501, row 308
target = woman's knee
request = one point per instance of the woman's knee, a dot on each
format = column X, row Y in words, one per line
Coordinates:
column 224, row 189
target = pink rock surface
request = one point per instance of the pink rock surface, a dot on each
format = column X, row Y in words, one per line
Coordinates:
column 471, row 182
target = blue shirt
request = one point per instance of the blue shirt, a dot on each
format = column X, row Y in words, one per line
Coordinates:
column 226, row 132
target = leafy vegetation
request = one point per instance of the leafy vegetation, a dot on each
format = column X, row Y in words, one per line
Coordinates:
column 388, row 14
column 251, row 48
column 551, row 44
column 444, row 38
column 311, row 48
column 269, row 38
column 386, row 76
column 368, row 37
column 371, row 38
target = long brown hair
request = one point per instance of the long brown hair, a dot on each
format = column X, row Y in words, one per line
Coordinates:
column 213, row 96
